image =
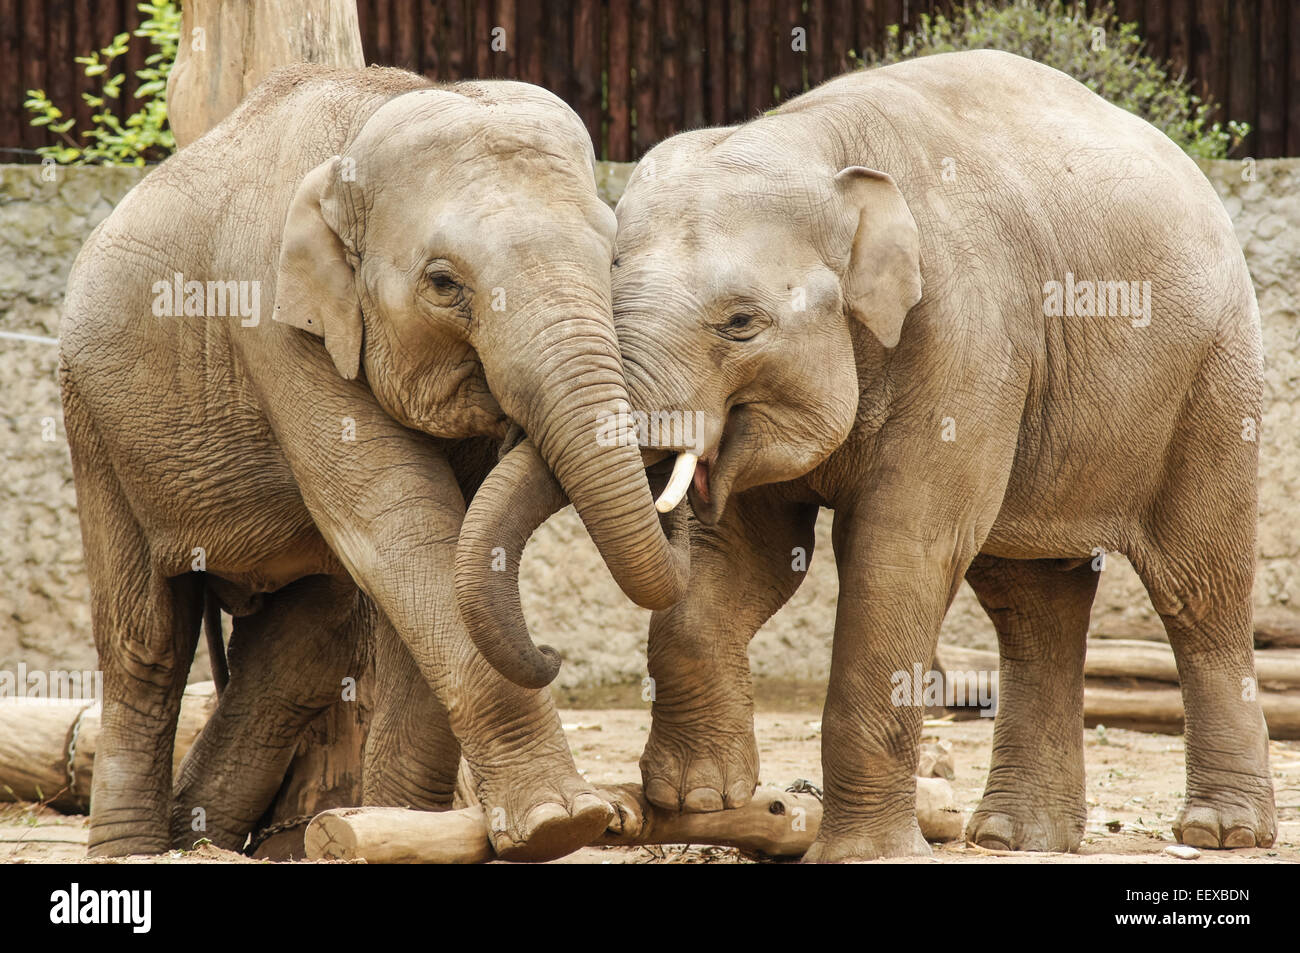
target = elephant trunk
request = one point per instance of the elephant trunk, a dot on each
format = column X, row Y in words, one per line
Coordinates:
column 575, row 454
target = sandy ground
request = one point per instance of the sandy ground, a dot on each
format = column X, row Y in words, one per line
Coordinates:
column 1135, row 784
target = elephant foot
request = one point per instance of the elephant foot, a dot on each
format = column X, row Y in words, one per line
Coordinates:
column 998, row 825
column 1225, row 824
column 533, row 819
column 126, row 845
column 697, row 771
column 849, row 848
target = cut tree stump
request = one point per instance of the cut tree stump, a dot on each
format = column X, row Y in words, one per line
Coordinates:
column 775, row 823
column 35, row 737
column 227, row 47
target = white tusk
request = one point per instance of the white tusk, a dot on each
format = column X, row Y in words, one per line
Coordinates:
column 678, row 483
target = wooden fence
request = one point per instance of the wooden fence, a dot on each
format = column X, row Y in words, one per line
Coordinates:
column 640, row 70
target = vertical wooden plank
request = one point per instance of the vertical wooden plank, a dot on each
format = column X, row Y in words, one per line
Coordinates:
column 454, row 43
column 1242, row 69
column 58, row 66
column 137, row 51
column 84, row 39
column 842, row 36
column 383, row 51
column 528, row 51
column 504, row 62
column 406, row 34
column 1209, row 55
column 715, row 64
column 431, row 49
column 556, row 38
column 644, row 65
column 1129, row 11
column 790, row 63
column 481, row 32
column 694, row 38
column 13, row 90
column 588, row 60
column 33, row 66
column 366, row 26
column 870, row 17
column 1293, row 88
column 1155, row 29
column 737, row 109
column 760, row 50
column 669, row 114
column 618, row 36
column 818, row 42
column 1180, row 36
column 1270, row 140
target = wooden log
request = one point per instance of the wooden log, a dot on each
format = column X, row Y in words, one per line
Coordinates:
column 239, row 43
column 395, row 835
column 1152, row 706
column 1275, row 629
column 1276, row 669
column 35, row 737
column 775, row 823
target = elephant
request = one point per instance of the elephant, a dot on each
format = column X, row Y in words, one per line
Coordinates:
column 435, row 266
column 999, row 326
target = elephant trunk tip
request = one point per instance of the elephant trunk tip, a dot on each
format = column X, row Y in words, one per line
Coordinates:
column 533, row 669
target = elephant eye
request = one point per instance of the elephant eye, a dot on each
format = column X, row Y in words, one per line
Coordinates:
column 442, row 281
column 740, row 326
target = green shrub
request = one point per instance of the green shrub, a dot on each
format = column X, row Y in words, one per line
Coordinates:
column 1094, row 47
column 143, row 136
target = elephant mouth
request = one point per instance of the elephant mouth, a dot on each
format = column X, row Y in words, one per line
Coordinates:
column 705, row 479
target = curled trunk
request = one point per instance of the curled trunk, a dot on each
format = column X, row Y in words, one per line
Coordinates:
column 563, row 462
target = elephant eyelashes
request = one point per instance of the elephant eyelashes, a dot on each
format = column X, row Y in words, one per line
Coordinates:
column 442, row 283
column 740, row 327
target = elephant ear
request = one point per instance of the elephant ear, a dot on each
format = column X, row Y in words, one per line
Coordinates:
column 883, row 278
column 315, row 288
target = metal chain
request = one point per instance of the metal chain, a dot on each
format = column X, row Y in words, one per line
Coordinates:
column 72, row 749
column 268, row 832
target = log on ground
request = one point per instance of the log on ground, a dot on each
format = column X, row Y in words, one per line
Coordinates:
column 775, row 823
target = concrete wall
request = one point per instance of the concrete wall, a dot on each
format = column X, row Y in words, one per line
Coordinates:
column 570, row 600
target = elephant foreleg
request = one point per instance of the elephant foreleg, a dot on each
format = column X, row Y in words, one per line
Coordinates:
column 701, row 754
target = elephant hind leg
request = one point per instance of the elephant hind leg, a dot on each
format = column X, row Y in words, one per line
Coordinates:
column 1197, row 561
column 1034, row 798
column 287, row 665
column 411, row 754
column 146, row 628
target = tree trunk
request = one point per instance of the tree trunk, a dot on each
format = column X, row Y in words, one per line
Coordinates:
column 227, row 47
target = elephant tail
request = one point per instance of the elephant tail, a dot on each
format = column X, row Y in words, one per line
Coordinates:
column 216, row 644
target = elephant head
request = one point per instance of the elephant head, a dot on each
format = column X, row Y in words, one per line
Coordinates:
column 745, row 282
column 457, row 254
